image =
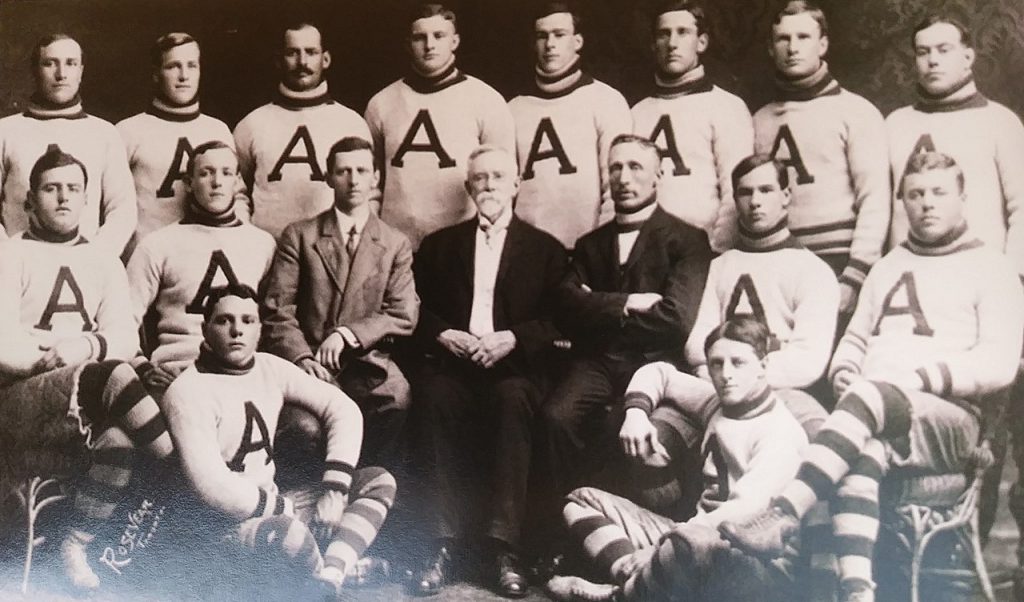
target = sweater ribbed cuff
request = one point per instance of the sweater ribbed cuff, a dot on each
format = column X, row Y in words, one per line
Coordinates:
column 636, row 399
column 854, row 274
column 338, row 476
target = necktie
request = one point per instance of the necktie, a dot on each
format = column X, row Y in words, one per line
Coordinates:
column 352, row 243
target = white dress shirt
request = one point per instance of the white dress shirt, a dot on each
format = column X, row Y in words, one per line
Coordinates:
column 490, row 240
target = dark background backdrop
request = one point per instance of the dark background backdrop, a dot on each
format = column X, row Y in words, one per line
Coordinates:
column 870, row 51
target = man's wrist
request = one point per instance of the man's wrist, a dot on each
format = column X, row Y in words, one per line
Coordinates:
column 350, row 338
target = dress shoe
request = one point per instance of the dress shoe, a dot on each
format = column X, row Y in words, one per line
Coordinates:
column 435, row 575
column 511, row 579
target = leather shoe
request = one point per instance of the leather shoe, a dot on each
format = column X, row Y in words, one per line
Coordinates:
column 511, row 579
column 435, row 575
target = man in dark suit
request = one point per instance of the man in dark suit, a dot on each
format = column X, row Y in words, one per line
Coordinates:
column 629, row 299
column 487, row 286
column 339, row 289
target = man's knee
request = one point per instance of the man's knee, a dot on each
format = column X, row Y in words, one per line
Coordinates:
column 516, row 399
column 375, row 483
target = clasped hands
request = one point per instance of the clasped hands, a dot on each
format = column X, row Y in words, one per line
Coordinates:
column 484, row 351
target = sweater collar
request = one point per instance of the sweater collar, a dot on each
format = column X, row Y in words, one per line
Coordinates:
column 40, row 234
column 963, row 95
column 957, row 239
column 41, row 108
column 427, row 84
column 563, row 83
column 295, row 100
column 196, row 214
column 819, row 83
column 777, row 237
column 170, row 111
column 756, row 404
column 209, row 363
column 693, row 81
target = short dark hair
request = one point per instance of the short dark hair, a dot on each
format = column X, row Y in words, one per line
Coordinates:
column 934, row 19
column 167, row 42
column 693, row 7
column 53, row 158
column 431, row 9
column 303, row 24
column 743, row 329
column 927, row 161
column 799, row 7
column 347, row 145
column 205, row 148
column 242, row 291
column 635, row 139
column 754, row 161
column 43, row 42
column 544, row 9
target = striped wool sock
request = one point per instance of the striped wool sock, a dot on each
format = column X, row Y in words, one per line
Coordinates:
column 282, row 538
column 373, row 493
column 866, row 409
column 110, row 393
column 855, row 514
column 603, row 541
column 104, row 484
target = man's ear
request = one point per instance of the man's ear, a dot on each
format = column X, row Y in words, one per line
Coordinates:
column 30, row 201
column 456, row 40
column 326, row 59
column 186, row 179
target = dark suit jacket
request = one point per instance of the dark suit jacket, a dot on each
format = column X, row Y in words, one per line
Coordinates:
column 531, row 266
column 669, row 257
column 311, row 291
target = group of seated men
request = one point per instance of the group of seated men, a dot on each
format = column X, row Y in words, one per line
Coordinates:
column 494, row 373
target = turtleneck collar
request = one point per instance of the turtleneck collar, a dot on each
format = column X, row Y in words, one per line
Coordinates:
column 758, row 403
column 819, row 83
column 562, row 83
column 963, row 95
column 693, row 81
column 209, row 363
column 195, row 214
column 447, row 76
column 171, row 111
column 38, row 233
column 629, row 221
column 957, row 239
column 41, row 108
column 773, row 239
column 295, row 100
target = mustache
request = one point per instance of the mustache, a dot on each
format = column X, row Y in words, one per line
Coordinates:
column 301, row 71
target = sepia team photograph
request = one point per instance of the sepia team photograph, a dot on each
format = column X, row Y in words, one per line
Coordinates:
column 581, row 300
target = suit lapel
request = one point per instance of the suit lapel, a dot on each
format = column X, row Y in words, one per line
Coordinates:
column 510, row 250
column 365, row 263
column 467, row 251
column 642, row 240
column 332, row 251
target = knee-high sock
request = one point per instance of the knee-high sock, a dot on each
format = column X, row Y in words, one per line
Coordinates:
column 373, row 493
column 866, row 410
column 104, row 484
column 668, row 576
column 603, row 541
column 110, row 393
column 855, row 514
column 283, row 538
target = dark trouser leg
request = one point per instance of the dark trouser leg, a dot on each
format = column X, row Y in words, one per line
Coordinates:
column 385, row 406
column 514, row 402
column 1015, row 420
column 443, row 402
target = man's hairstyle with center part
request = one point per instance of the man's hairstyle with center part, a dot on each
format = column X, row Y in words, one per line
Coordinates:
column 52, row 159
column 934, row 19
column 205, row 148
column 167, row 42
column 693, row 7
column 799, row 7
column 743, row 329
column 242, row 291
column 544, row 9
column 43, row 42
column 752, row 162
column 347, row 145
column 431, row 9
column 644, row 143
column 922, row 162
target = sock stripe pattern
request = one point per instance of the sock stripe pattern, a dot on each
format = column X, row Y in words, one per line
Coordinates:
column 855, row 514
column 373, row 494
column 661, row 578
column 110, row 393
column 105, row 482
column 284, row 538
column 602, row 540
column 865, row 410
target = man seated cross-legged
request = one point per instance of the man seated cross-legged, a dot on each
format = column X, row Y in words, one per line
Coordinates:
column 222, row 413
column 751, row 448
column 938, row 326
